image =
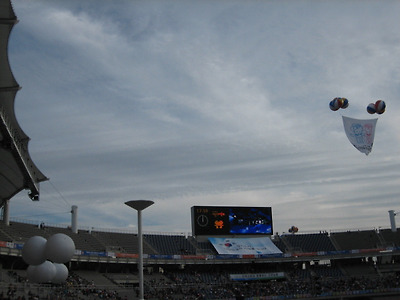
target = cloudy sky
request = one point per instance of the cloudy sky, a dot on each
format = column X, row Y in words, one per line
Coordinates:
column 207, row 103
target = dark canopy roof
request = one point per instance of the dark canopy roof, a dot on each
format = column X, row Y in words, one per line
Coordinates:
column 17, row 171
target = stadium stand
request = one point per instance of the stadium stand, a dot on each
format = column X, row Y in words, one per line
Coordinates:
column 390, row 238
column 202, row 248
column 120, row 242
column 349, row 240
column 280, row 243
column 170, row 244
column 312, row 266
column 309, row 242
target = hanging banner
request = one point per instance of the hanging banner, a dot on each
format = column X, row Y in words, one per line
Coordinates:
column 244, row 246
column 257, row 276
column 360, row 133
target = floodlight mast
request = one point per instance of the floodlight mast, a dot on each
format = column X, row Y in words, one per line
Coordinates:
column 392, row 214
column 140, row 205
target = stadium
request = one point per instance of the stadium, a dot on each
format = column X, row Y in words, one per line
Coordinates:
column 231, row 253
column 325, row 265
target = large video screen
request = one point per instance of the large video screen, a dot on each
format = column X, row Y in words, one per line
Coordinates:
column 231, row 220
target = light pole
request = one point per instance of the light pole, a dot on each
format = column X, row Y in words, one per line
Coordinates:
column 140, row 205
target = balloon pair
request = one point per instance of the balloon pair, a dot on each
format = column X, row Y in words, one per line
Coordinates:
column 338, row 102
column 47, row 272
column 378, row 107
column 46, row 258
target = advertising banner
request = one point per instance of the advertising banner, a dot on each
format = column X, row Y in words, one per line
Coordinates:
column 257, row 276
column 239, row 246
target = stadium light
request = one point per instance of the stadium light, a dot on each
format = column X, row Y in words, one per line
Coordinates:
column 140, row 205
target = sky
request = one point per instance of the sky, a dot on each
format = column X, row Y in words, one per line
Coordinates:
column 194, row 103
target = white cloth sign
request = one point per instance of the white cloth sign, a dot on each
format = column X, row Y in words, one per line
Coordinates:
column 244, row 246
column 360, row 133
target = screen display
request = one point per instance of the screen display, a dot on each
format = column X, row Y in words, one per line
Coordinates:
column 231, row 220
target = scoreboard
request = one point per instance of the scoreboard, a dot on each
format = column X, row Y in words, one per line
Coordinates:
column 231, row 220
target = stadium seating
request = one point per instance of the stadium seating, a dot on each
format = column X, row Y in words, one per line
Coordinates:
column 350, row 240
column 179, row 244
column 170, row 244
column 390, row 238
column 309, row 242
column 177, row 280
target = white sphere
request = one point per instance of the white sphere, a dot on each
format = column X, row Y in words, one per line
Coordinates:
column 59, row 248
column 33, row 251
column 42, row 273
column 61, row 273
column 31, row 273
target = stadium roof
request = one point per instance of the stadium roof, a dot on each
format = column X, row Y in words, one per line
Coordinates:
column 17, row 170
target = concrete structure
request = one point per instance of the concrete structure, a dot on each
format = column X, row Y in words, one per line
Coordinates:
column 392, row 214
column 17, row 170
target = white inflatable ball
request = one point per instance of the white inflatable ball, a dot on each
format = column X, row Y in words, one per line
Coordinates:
column 30, row 273
column 33, row 251
column 59, row 248
column 42, row 273
column 61, row 273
